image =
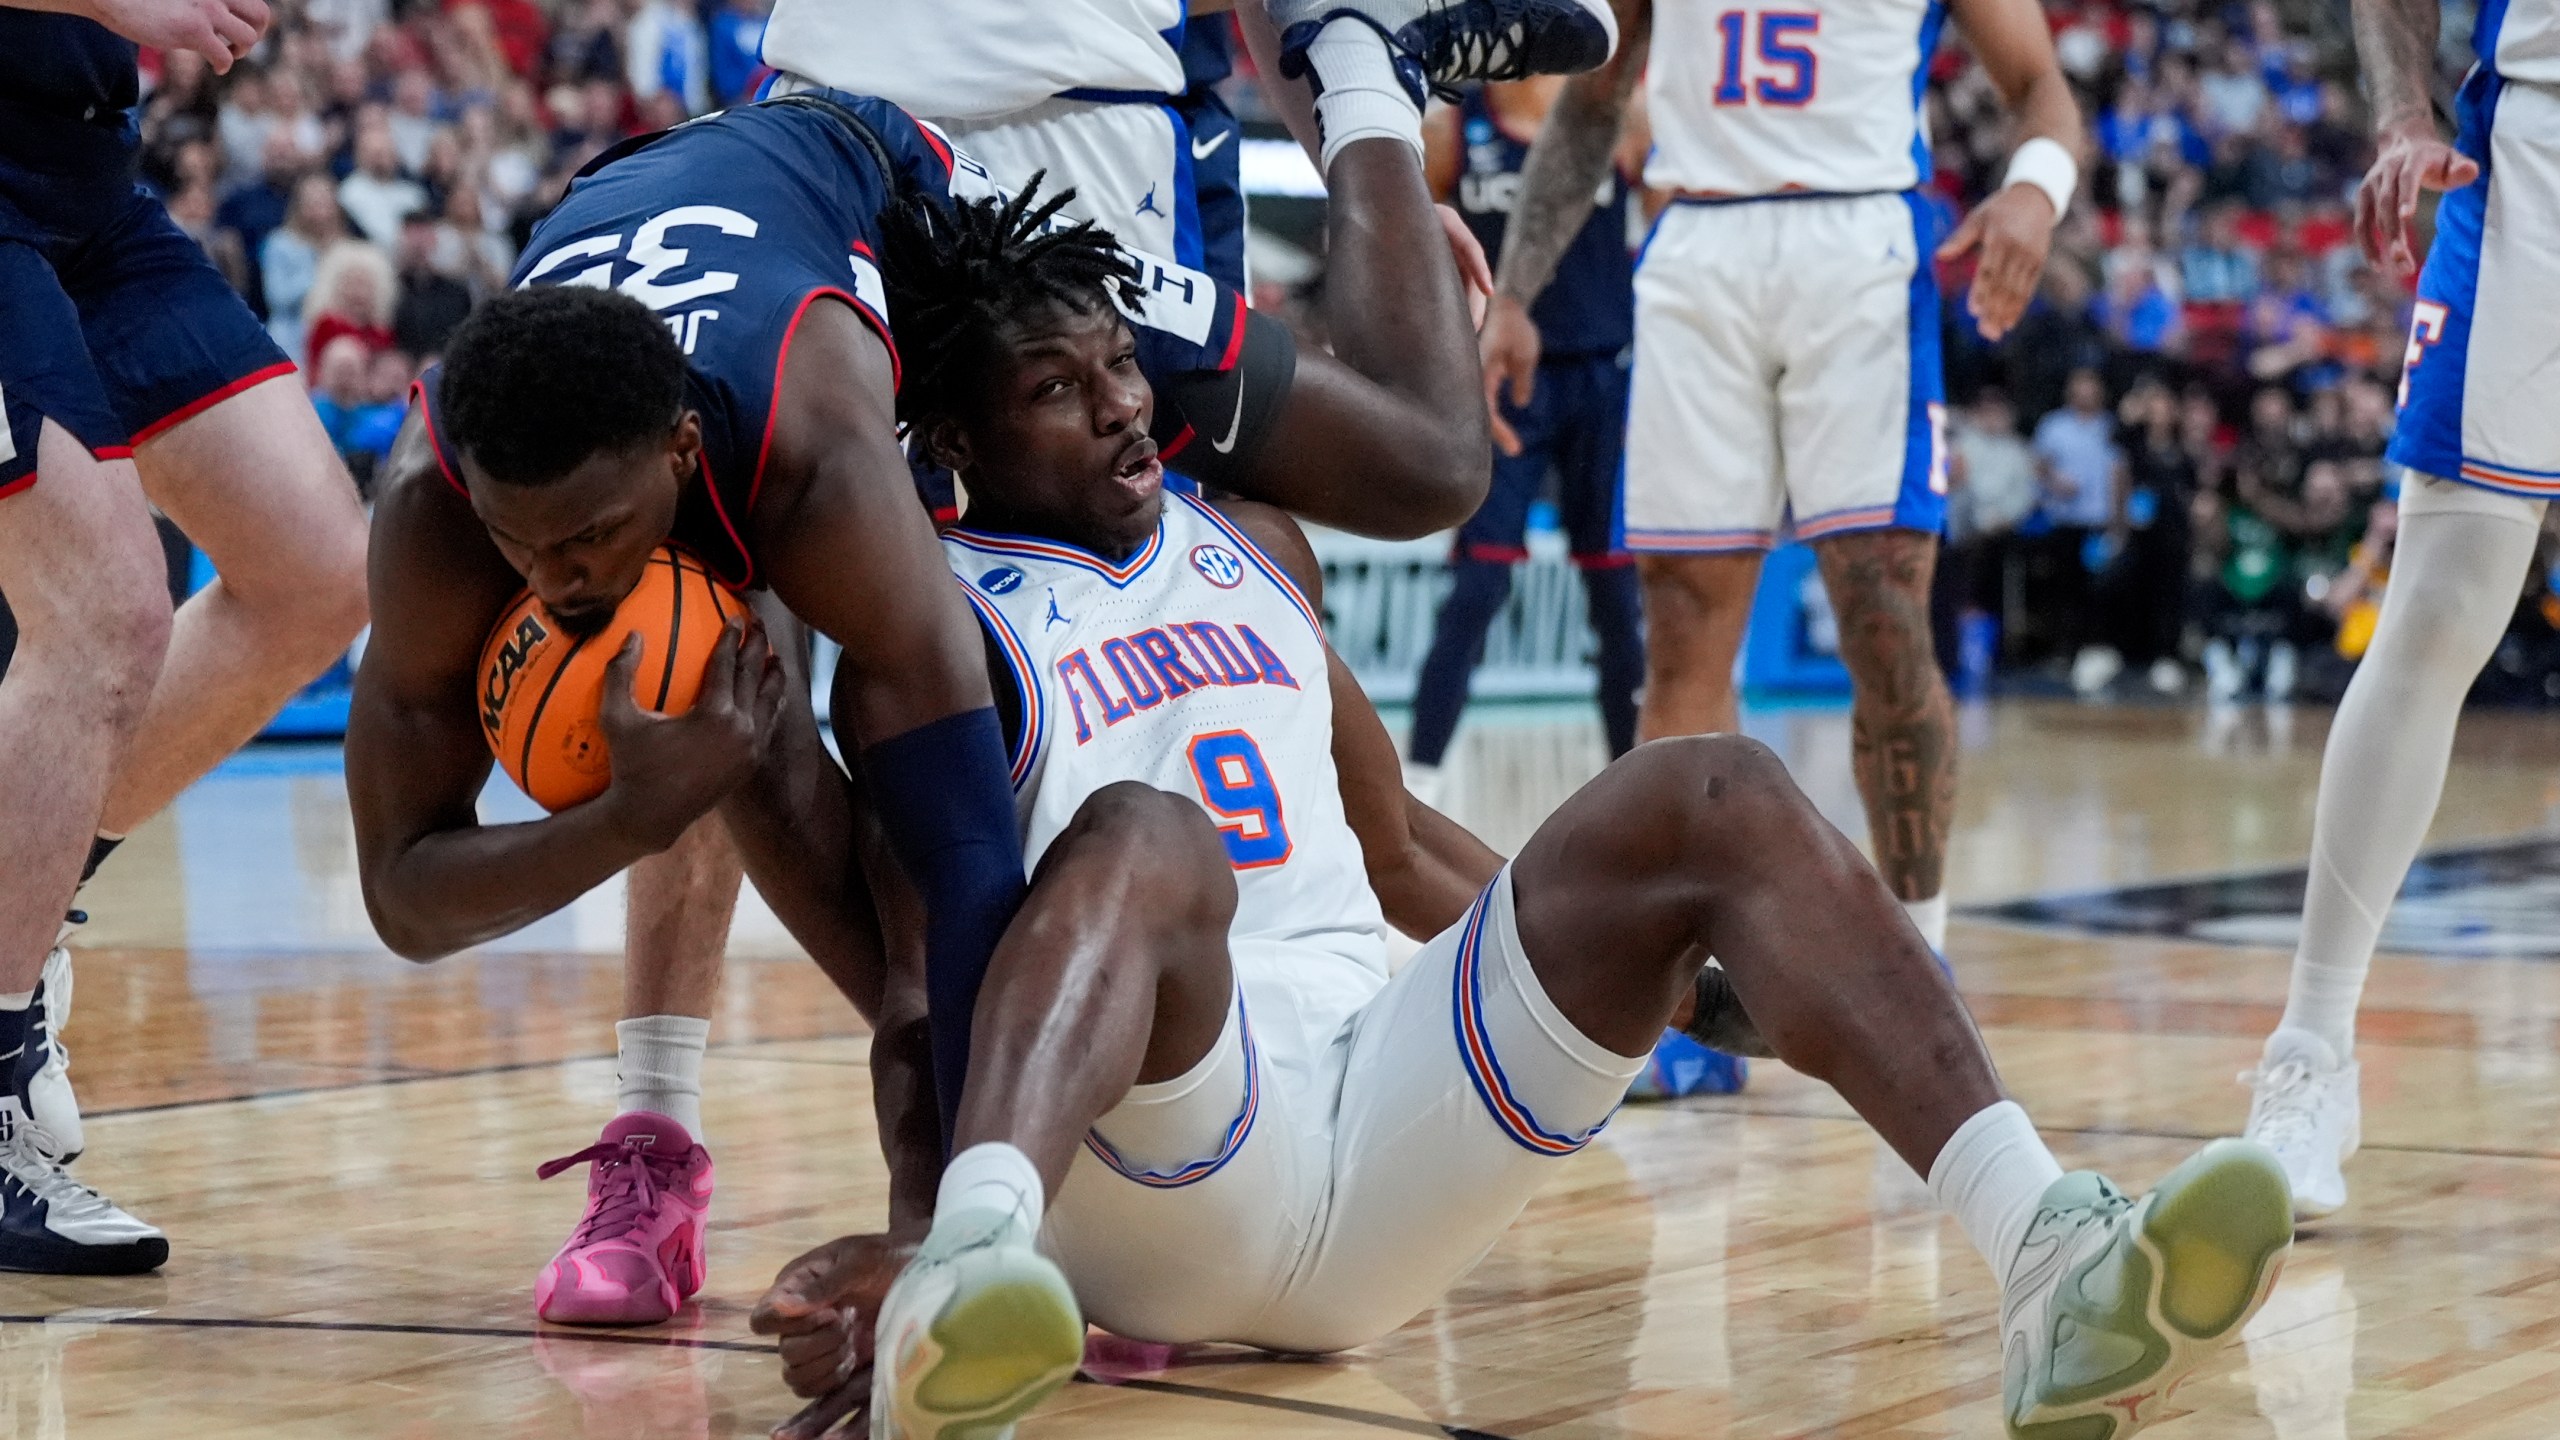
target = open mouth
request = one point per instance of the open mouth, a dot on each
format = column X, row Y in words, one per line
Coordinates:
column 1139, row 471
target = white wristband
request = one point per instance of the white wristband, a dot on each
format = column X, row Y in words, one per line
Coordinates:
column 2048, row 166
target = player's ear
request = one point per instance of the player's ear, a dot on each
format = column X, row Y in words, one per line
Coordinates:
column 684, row 445
column 948, row 444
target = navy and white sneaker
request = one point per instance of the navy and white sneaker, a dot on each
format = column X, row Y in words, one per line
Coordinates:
column 51, row 1224
column 1453, row 42
column 44, row 1074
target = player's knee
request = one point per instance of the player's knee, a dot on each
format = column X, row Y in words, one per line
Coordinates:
column 113, row 632
column 1128, row 828
column 1727, row 796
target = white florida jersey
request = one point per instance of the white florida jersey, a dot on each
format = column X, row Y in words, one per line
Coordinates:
column 1821, row 96
column 1195, row 667
column 2520, row 39
column 978, row 59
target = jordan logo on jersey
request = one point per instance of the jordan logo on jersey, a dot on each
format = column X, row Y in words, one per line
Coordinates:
column 1147, row 204
column 1162, row 663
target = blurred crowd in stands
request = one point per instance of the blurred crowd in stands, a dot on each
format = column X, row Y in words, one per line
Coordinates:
column 2173, row 470
column 2170, row 472
column 372, row 168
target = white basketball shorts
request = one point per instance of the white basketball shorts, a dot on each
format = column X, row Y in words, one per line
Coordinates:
column 1328, row 1171
column 1786, row 360
column 2480, row 391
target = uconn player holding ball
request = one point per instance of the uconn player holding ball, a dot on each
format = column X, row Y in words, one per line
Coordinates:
column 2480, row 434
column 1198, row 1106
column 1786, row 355
column 750, row 421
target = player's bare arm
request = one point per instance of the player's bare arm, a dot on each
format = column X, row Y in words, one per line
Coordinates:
column 1564, row 169
column 846, row 546
column 1426, row 867
column 2395, row 47
column 436, row 879
column 2013, row 229
column 219, row 30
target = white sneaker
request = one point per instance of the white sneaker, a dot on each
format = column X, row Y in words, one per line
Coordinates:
column 2167, row 677
column 2111, row 1302
column 2095, row 668
column 978, row 1330
column 51, row 1224
column 2223, row 677
column 50, row 1101
column 2305, row 1108
column 2284, row 670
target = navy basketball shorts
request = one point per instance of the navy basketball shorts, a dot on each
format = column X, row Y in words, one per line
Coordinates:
column 115, row 331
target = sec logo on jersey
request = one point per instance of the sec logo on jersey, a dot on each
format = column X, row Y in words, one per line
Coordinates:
column 1002, row 580
column 1218, row 565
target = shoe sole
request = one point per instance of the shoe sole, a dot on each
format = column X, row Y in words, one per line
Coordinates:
column 2206, row 1248
column 140, row 1258
column 993, row 1355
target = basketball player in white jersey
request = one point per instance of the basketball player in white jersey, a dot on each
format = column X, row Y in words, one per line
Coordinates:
column 1199, row 1108
column 1079, row 88
column 1786, row 355
column 1088, row 90
column 2479, row 433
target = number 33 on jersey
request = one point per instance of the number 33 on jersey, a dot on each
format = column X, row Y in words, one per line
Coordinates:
column 1194, row 666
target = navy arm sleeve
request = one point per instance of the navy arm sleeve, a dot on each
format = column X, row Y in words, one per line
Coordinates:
column 945, row 796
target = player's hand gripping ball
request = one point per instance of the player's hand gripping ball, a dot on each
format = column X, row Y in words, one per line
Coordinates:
column 542, row 688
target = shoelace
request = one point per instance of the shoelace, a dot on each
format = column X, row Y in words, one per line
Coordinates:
column 627, row 1182
column 2286, row 1105
column 1473, row 52
column 57, row 999
column 33, row 1158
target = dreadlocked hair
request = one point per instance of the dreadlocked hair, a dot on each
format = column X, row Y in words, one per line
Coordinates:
column 960, row 272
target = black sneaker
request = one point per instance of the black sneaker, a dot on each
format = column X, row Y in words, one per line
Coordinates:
column 1453, row 42
column 51, row 1224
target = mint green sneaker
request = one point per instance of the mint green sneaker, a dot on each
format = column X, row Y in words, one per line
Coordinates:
column 978, row 1330
column 2112, row 1301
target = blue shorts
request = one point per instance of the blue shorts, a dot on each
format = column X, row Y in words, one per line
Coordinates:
column 1576, row 426
column 2480, row 388
column 117, row 328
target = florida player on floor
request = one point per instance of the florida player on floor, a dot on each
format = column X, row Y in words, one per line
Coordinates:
column 752, row 234
column 2480, row 437
column 1199, row 1109
column 131, row 376
column 1786, row 356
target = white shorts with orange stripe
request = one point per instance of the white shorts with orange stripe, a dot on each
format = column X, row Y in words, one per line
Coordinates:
column 1326, row 1173
column 1786, row 364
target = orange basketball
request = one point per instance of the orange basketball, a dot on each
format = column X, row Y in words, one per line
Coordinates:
column 542, row 689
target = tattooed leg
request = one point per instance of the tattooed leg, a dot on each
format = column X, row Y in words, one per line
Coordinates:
column 1695, row 608
column 1903, row 723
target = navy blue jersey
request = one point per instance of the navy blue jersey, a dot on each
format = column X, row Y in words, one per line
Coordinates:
column 67, row 89
column 1590, row 306
column 1208, row 53
column 733, row 225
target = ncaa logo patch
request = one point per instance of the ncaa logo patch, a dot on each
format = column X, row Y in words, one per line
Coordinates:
column 1002, row 580
column 1218, row 565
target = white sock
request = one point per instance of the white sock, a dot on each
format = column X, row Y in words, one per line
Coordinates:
column 1990, row 1175
column 1358, row 96
column 992, row 1176
column 1930, row 917
column 658, row 1066
column 17, row 1000
column 2462, row 555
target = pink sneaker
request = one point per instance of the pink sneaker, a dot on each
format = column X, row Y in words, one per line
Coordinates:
column 637, row 1253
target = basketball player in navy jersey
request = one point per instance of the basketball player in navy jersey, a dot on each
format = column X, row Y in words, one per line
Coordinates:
column 1573, row 424
column 1201, row 1109
column 130, row 377
column 753, row 235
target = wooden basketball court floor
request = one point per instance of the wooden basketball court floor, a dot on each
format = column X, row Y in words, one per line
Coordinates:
column 342, row 1146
